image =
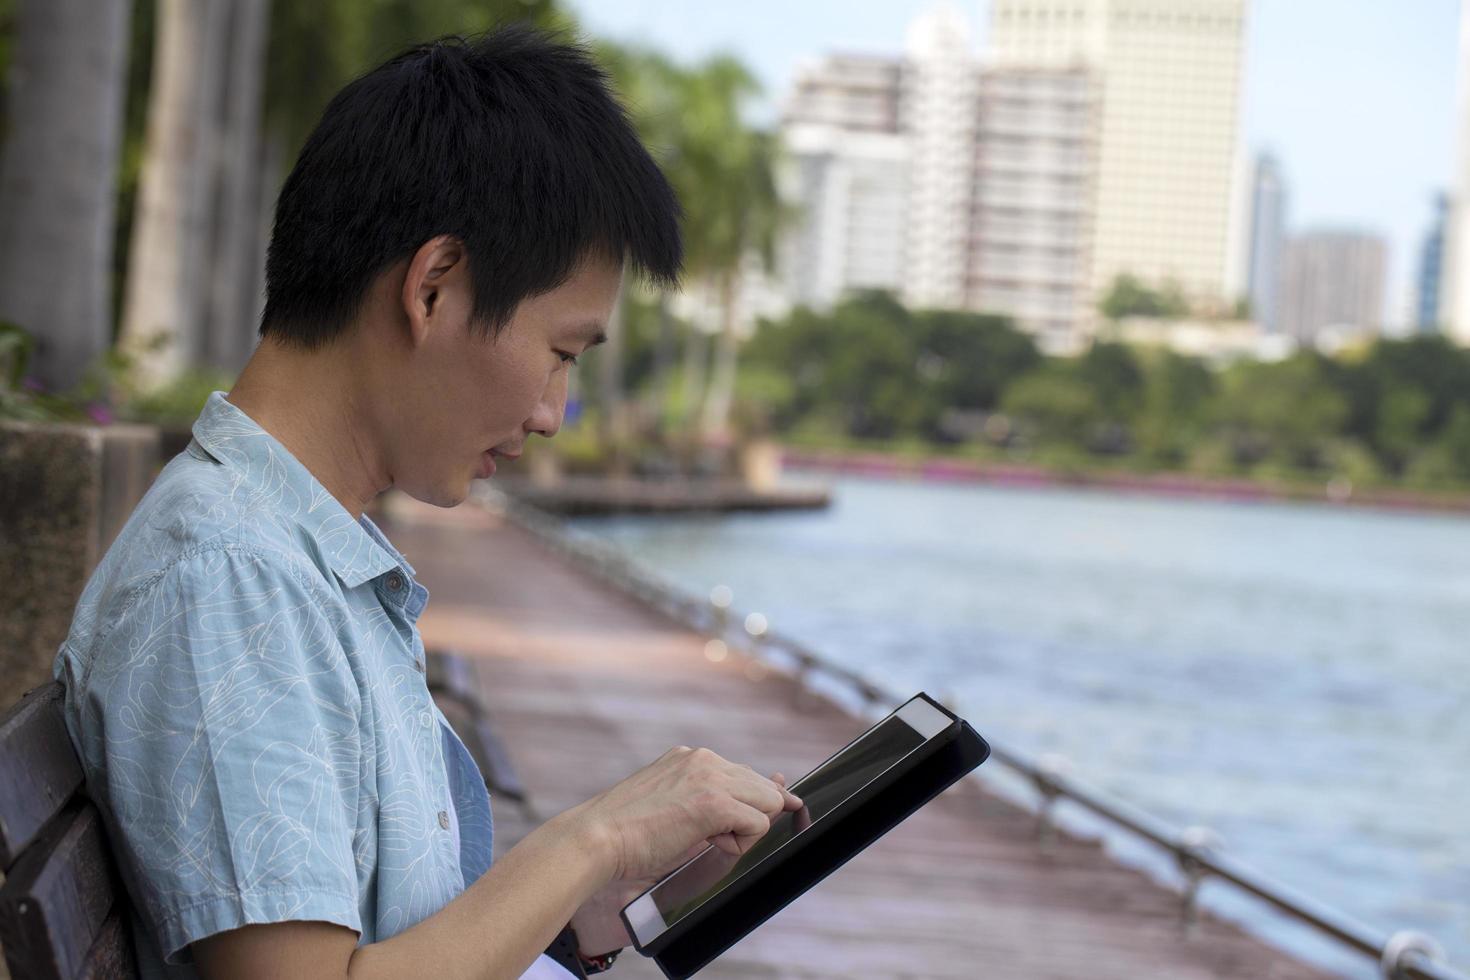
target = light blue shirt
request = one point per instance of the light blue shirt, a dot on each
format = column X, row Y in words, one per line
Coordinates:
column 245, row 686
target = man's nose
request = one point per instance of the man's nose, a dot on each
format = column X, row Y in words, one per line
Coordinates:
column 550, row 411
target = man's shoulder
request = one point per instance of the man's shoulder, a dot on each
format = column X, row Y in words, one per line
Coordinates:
column 195, row 514
column 197, row 505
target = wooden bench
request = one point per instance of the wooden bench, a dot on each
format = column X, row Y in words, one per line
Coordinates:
column 63, row 909
column 451, row 680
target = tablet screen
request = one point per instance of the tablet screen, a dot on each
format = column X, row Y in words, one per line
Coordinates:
column 821, row 790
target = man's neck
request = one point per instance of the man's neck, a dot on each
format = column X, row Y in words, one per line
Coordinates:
column 312, row 408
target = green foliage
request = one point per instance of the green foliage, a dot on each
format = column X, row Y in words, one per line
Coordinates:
column 7, row 33
column 1056, row 404
column 1128, row 296
column 1403, row 392
column 694, row 121
column 23, row 397
column 141, row 35
column 1399, row 411
column 1447, row 461
column 106, row 392
column 315, row 48
column 1283, row 412
column 1177, row 392
column 179, row 402
column 1112, row 373
column 16, row 348
column 968, row 359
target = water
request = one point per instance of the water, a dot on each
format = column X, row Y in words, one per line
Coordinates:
column 1294, row 677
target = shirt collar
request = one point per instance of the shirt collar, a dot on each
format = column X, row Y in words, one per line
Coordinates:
column 354, row 549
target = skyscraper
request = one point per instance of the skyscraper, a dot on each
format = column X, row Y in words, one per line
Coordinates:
column 1332, row 285
column 1431, row 262
column 1267, row 228
column 1454, row 286
column 1170, row 74
column 938, row 100
column 947, row 184
column 850, row 173
column 1035, row 160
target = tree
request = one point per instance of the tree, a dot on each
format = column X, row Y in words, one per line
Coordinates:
column 855, row 368
column 210, row 173
column 1177, row 393
column 1288, row 411
column 1055, row 403
column 168, row 257
column 723, row 171
column 1116, row 380
column 1448, row 459
column 235, row 287
column 972, row 357
column 1402, row 393
column 57, row 171
column 1128, row 296
column 315, row 48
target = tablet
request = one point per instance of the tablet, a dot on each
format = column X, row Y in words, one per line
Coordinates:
column 870, row 785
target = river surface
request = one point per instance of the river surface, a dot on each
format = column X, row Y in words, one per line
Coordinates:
column 1295, row 677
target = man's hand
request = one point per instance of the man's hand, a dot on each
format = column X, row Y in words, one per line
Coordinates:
column 599, row 926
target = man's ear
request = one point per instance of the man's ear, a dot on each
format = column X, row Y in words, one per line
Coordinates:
column 436, row 267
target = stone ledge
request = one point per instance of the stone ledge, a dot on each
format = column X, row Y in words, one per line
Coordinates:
column 65, row 492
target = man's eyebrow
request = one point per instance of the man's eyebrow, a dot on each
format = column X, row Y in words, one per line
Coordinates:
column 599, row 336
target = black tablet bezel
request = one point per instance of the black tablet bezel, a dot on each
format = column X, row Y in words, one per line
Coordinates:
column 754, row 876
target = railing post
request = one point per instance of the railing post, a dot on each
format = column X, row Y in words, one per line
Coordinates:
column 720, row 598
column 1194, row 844
column 1402, row 948
column 798, row 690
column 1048, row 771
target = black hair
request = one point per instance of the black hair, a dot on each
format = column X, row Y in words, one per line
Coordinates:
column 510, row 141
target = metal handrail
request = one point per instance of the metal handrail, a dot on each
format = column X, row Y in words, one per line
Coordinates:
column 1404, row 955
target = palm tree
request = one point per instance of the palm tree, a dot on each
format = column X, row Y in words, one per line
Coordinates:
column 723, row 172
column 163, row 298
column 57, row 179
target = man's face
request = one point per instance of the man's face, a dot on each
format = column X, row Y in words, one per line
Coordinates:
column 467, row 395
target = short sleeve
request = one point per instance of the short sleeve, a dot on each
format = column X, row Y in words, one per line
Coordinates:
column 219, row 725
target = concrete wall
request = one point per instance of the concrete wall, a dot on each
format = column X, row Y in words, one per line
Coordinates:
column 65, row 492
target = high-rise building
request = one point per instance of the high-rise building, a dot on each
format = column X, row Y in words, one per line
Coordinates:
column 1454, row 286
column 849, row 171
column 938, row 93
column 1332, row 285
column 1267, row 234
column 1431, row 263
column 1170, row 77
column 1035, row 157
column 947, row 185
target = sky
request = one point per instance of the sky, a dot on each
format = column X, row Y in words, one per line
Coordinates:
column 1356, row 98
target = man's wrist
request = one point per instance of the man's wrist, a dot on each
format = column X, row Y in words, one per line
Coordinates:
column 593, row 962
column 590, row 838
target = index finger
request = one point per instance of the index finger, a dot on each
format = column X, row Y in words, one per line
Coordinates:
column 790, row 801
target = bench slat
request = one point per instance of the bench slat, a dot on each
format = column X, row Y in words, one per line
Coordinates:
column 111, row 956
column 451, row 675
column 505, row 780
column 56, row 897
column 39, row 771
column 484, row 746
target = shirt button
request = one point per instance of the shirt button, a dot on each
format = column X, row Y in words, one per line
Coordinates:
column 395, row 582
column 418, row 665
column 444, row 819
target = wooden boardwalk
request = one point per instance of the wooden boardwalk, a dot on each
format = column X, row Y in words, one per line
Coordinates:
column 587, row 685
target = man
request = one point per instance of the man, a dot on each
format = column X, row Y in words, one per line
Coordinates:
column 244, row 676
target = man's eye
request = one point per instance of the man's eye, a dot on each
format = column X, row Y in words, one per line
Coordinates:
column 567, row 358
